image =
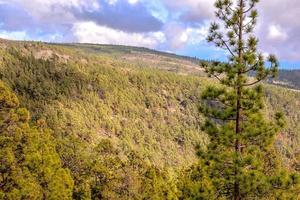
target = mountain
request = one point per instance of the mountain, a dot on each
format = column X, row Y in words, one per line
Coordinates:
column 288, row 78
column 124, row 120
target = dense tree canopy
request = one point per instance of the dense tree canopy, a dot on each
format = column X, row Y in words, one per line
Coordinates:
column 30, row 166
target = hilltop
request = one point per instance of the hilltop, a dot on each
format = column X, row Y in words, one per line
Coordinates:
column 172, row 62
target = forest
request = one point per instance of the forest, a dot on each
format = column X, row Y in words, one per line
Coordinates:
column 83, row 121
column 106, row 128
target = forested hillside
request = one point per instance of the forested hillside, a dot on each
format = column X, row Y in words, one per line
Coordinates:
column 113, row 122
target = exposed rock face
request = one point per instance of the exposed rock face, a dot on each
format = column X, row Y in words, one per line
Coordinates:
column 43, row 54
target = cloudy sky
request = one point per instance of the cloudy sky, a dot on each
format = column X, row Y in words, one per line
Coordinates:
column 175, row 26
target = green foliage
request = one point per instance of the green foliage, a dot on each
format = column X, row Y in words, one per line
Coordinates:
column 287, row 142
column 239, row 162
column 122, row 130
column 30, row 166
column 141, row 116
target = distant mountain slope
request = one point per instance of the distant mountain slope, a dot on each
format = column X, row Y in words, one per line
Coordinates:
column 173, row 62
column 289, row 78
column 144, row 57
column 121, row 49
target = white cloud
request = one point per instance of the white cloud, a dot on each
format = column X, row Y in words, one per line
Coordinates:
column 184, row 23
column 111, row 2
column 179, row 36
column 279, row 28
column 193, row 10
column 54, row 10
column 276, row 33
column 89, row 32
column 133, row 1
column 184, row 37
column 175, row 35
column 197, row 35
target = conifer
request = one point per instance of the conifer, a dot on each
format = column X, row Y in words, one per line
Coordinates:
column 240, row 161
column 30, row 167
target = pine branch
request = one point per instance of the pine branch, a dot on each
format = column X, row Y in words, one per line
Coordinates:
column 227, row 47
column 230, row 8
column 217, row 77
column 249, row 9
column 251, row 84
column 250, row 68
column 225, row 18
column 252, row 21
column 255, row 82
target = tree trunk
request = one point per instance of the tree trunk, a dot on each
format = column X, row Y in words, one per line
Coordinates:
column 237, row 194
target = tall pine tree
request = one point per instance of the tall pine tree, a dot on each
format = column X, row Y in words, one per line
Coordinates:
column 240, row 161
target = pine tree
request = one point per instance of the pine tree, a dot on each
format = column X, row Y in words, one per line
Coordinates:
column 240, row 161
column 30, row 167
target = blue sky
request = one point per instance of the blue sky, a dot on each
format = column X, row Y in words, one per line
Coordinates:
column 177, row 26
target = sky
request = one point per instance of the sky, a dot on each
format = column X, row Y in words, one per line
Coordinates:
column 176, row 26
